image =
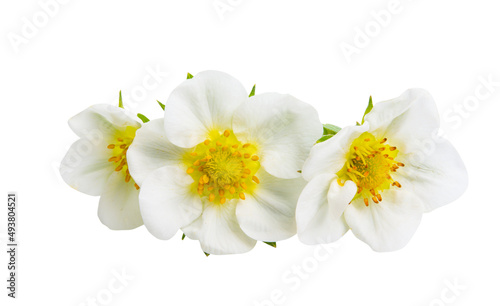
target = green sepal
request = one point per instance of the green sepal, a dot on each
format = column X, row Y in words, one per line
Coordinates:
column 368, row 109
column 206, row 254
column 330, row 129
column 183, row 236
column 161, row 105
column 325, row 138
column 189, row 76
column 273, row 244
column 143, row 118
column 120, row 101
column 252, row 93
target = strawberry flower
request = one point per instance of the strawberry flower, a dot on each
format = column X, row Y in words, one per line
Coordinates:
column 377, row 179
column 97, row 163
column 222, row 166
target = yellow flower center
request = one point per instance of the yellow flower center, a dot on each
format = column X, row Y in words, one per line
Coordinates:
column 370, row 162
column 119, row 153
column 223, row 168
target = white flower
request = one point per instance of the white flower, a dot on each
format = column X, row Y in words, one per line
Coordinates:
column 378, row 178
column 223, row 167
column 96, row 164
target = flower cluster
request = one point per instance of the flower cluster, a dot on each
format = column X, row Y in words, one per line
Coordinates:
column 229, row 169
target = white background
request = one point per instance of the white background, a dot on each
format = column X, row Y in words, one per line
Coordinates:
column 88, row 50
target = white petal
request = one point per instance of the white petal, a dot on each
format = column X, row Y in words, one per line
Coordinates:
column 389, row 225
column 168, row 201
column 320, row 209
column 330, row 156
column 269, row 213
column 200, row 105
column 119, row 204
column 218, row 231
column 86, row 167
column 101, row 121
column 284, row 129
column 405, row 120
column 437, row 174
column 152, row 150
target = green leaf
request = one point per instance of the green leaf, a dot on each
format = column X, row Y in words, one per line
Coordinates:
column 183, row 236
column 206, row 254
column 325, row 138
column 120, row 101
column 330, row 129
column 161, row 105
column 189, row 76
column 368, row 109
column 143, row 118
column 273, row 244
column 252, row 93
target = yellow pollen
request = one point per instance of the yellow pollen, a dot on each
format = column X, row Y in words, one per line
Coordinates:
column 369, row 168
column 222, row 175
column 118, row 152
